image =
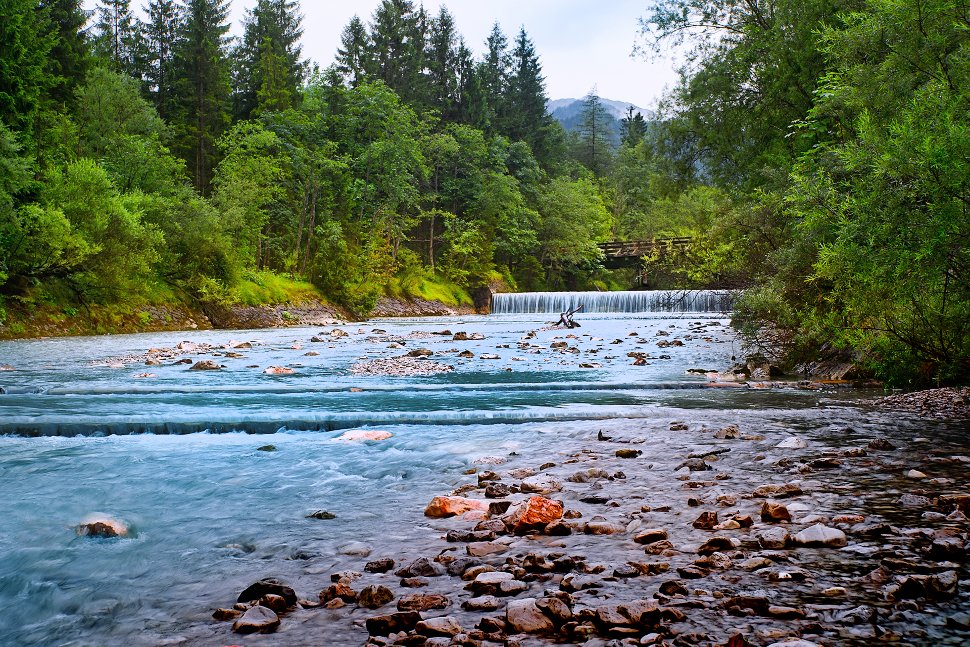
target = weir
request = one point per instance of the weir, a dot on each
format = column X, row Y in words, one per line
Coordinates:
column 720, row 301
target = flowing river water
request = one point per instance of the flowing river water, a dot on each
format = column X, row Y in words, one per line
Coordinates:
column 181, row 455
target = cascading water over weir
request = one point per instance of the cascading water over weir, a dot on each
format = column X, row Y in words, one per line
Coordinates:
column 721, row 301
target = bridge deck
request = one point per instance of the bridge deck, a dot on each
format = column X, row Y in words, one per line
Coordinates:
column 636, row 249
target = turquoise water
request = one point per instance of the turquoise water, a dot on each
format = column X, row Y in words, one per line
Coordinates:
column 177, row 455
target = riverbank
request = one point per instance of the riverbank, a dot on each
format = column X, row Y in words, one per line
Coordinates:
column 53, row 321
column 663, row 532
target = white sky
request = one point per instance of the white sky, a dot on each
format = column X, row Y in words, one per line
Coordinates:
column 582, row 44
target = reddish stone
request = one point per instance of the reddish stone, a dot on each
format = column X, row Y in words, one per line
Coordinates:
column 537, row 512
column 449, row 506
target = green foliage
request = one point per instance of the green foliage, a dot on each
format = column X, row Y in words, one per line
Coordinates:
column 573, row 219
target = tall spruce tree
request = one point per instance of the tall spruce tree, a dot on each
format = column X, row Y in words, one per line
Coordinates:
column 202, row 87
column 492, row 81
column 355, row 57
column 442, row 65
column 633, row 128
column 398, row 38
column 117, row 37
column 160, row 34
column 70, row 55
column 526, row 117
column 595, row 135
column 268, row 60
column 25, row 76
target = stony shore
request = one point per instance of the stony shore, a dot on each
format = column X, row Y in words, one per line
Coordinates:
column 693, row 535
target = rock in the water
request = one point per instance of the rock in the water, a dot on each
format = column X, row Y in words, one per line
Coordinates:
column 820, row 535
column 603, row 528
column 373, row 597
column 421, row 567
column 914, row 500
column 268, row 586
column 525, row 617
column 449, row 506
column 778, row 491
column 206, row 365
column 650, row 536
column 485, row 548
column 279, row 370
column 773, row 512
column 393, row 623
column 773, row 538
column 730, row 432
column 541, row 484
column 257, row 619
column 422, row 602
column 792, row 442
column 717, row 544
column 482, row 603
column 534, row 514
column 323, row 515
column 105, row 527
column 695, row 465
column 364, row 434
column 446, row 626
column 628, row 453
column 706, row 521
column 382, row 565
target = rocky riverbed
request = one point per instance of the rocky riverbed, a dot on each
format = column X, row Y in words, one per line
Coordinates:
column 718, row 533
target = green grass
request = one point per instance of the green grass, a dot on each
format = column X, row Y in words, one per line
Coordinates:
column 418, row 285
column 260, row 288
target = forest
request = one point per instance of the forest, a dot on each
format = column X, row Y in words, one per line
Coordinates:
column 816, row 152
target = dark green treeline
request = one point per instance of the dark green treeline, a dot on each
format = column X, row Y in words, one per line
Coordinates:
column 145, row 152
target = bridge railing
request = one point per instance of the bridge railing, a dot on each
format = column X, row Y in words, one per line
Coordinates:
column 640, row 248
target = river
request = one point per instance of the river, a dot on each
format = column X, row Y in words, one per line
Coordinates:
column 217, row 471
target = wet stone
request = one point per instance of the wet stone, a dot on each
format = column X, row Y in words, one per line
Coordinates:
column 650, row 536
column 382, row 565
column 257, row 619
column 395, row 622
column 372, row 597
column 422, row 602
column 706, row 521
column 773, row 512
column 421, row 567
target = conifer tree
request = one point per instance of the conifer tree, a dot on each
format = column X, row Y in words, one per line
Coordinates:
column 270, row 47
column 442, row 65
column 70, row 55
column 160, row 36
column 398, row 39
column 202, row 101
column 117, row 35
column 594, row 135
column 492, row 81
column 633, row 128
column 526, row 118
column 25, row 77
column 355, row 59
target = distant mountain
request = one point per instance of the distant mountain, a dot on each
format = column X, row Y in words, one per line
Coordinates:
column 568, row 112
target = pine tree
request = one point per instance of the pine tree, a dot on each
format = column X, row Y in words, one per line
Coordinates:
column 270, row 46
column 117, row 35
column 526, row 117
column 25, row 78
column 442, row 65
column 594, row 135
column 70, row 56
column 492, row 81
column 355, row 59
column 202, row 87
column 160, row 36
column 633, row 128
column 398, row 38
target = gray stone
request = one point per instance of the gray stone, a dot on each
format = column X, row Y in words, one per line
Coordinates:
column 819, row 535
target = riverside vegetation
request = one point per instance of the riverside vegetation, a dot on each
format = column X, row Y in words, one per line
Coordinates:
column 815, row 151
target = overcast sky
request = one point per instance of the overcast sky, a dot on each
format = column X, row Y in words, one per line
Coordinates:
column 581, row 43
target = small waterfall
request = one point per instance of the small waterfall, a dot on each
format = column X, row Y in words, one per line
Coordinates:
column 632, row 301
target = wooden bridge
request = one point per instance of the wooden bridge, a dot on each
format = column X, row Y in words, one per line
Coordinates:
column 630, row 253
